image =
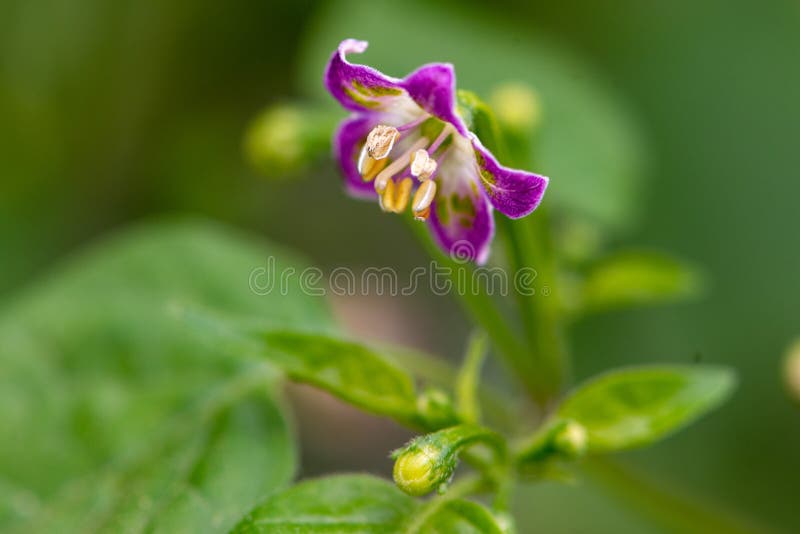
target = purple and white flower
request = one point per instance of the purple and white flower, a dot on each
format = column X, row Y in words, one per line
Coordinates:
column 405, row 142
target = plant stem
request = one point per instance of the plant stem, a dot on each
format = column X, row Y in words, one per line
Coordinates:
column 484, row 312
column 468, row 378
column 530, row 247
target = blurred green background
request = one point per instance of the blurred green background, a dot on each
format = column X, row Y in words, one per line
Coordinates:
column 672, row 125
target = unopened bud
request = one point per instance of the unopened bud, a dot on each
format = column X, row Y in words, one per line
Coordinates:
column 422, row 468
column 427, row 463
column 436, row 409
column 286, row 138
column 571, row 440
column 517, row 106
column 791, row 370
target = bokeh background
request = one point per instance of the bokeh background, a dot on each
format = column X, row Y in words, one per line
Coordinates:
column 671, row 125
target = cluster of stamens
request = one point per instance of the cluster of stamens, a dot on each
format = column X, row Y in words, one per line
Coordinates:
column 394, row 195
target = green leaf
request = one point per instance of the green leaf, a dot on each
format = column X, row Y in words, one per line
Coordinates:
column 637, row 278
column 590, row 144
column 346, row 503
column 122, row 416
column 348, row 370
column 462, row 517
column 353, row 372
column 633, row 407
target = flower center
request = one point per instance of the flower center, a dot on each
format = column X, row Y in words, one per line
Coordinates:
column 375, row 163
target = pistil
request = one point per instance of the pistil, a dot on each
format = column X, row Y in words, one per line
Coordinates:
column 422, row 165
column 400, row 163
column 445, row 133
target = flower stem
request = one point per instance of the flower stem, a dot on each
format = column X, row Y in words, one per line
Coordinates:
column 529, row 245
column 468, row 378
column 485, row 312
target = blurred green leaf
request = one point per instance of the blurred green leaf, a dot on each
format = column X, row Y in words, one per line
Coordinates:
column 119, row 414
column 634, row 278
column 348, row 370
column 201, row 475
column 588, row 144
column 362, row 504
column 352, row 372
column 461, row 517
column 633, row 407
column 346, row 503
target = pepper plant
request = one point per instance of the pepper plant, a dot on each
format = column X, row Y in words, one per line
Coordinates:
column 140, row 383
column 432, row 153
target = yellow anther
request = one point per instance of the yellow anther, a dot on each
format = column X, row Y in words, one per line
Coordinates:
column 381, row 140
column 381, row 182
column 423, row 199
column 386, row 200
column 402, row 194
column 370, row 167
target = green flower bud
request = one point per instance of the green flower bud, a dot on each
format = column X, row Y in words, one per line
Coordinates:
column 559, row 437
column 571, row 440
column 791, row 370
column 420, row 469
column 517, row 106
column 436, row 409
column 505, row 522
column 427, row 463
column 287, row 138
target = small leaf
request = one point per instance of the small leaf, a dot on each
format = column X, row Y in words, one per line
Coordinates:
column 350, row 371
column 353, row 372
column 346, row 503
column 633, row 407
column 462, row 517
column 637, row 278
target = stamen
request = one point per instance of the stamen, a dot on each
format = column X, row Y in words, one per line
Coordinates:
column 423, row 199
column 386, row 200
column 446, row 131
column 413, row 124
column 369, row 167
column 381, row 140
column 396, row 166
column 403, row 192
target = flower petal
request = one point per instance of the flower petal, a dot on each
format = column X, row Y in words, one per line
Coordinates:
column 347, row 143
column 358, row 87
column 433, row 88
column 514, row 193
column 461, row 220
